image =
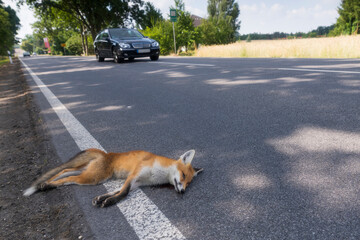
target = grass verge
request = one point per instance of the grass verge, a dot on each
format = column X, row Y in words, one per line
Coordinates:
column 334, row 47
column 4, row 60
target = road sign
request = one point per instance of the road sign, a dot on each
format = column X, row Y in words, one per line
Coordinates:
column 173, row 17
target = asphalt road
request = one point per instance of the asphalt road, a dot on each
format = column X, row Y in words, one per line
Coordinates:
column 279, row 140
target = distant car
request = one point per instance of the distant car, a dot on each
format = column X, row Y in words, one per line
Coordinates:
column 34, row 54
column 26, row 54
column 121, row 43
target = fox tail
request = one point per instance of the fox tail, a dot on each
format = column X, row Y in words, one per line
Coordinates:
column 79, row 161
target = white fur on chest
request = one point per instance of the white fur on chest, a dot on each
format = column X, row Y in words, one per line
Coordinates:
column 154, row 175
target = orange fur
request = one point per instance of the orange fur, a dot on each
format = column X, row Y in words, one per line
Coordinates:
column 137, row 167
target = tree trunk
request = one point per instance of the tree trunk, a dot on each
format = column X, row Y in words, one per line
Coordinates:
column 86, row 44
column 82, row 39
column 357, row 29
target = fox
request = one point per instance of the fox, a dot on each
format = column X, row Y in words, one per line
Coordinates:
column 138, row 168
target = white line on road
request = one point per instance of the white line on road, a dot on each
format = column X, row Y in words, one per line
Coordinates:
column 186, row 64
column 317, row 70
column 143, row 215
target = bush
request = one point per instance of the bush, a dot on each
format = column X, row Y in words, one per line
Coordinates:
column 74, row 45
column 162, row 32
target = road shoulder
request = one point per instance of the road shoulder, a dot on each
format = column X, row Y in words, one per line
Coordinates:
column 26, row 151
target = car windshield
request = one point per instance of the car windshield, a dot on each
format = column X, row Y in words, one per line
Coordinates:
column 125, row 33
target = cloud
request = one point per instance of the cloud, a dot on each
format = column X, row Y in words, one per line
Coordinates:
column 261, row 8
column 163, row 5
column 276, row 7
column 316, row 11
column 276, row 16
column 190, row 6
column 249, row 8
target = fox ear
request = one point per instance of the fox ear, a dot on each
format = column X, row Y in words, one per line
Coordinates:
column 187, row 157
column 197, row 171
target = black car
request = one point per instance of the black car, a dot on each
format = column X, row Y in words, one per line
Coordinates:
column 121, row 43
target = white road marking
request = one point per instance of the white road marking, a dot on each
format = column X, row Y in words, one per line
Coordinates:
column 317, row 70
column 186, row 64
column 143, row 215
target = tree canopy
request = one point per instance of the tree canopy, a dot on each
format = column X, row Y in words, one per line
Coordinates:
column 349, row 18
column 95, row 16
column 9, row 25
column 222, row 25
column 60, row 20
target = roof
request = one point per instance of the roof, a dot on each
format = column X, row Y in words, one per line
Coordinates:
column 196, row 20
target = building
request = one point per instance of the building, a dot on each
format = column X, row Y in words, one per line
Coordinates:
column 196, row 20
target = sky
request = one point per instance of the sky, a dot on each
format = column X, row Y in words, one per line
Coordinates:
column 260, row 16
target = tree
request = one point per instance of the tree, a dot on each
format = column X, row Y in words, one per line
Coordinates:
column 184, row 29
column 163, row 33
column 5, row 33
column 9, row 25
column 74, row 45
column 222, row 25
column 225, row 8
column 95, row 15
column 187, row 35
column 27, row 43
column 150, row 17
column 55, row 25
column 349, row 18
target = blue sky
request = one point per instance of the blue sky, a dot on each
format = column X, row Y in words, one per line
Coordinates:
column 255, row 15
column 272, row 15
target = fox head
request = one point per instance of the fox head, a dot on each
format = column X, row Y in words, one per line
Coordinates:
column 184, row 172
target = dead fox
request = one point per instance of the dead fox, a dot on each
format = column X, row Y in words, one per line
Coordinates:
column 139, row 168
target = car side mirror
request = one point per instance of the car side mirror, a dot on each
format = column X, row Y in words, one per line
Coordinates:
column 107, row 39
column 146, row 37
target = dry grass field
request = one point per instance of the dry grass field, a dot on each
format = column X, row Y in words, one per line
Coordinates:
column 332, row 47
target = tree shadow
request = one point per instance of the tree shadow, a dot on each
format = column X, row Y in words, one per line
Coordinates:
column 279, row 148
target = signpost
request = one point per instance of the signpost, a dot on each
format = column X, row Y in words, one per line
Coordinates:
column 9, row 53
column 173, row 18
column 63, row 45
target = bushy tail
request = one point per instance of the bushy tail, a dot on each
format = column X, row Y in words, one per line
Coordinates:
column 80, row 159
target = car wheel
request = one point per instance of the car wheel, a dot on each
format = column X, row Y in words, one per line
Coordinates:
column 116, row 57
column 154, row 58
column 100, row 59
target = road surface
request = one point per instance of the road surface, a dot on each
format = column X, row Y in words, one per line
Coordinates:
column 279, row 141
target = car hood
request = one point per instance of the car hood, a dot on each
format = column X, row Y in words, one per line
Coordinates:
column 135, row 40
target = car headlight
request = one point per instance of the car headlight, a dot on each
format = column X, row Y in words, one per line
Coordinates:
column 124, row 45
column 155, row 44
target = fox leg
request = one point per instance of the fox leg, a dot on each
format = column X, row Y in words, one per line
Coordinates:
column 84, row 178
column 47, row 185
column 109, row 199
column 62, row 172
column 94, row 173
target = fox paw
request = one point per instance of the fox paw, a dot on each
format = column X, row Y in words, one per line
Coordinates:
column 108, row 202
column 45, row 186
column 97, row 201
column 103, row 201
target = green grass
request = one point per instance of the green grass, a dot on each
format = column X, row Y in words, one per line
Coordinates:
column 4, row 60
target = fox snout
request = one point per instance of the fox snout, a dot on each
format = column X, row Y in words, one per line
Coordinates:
column 179, row 186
